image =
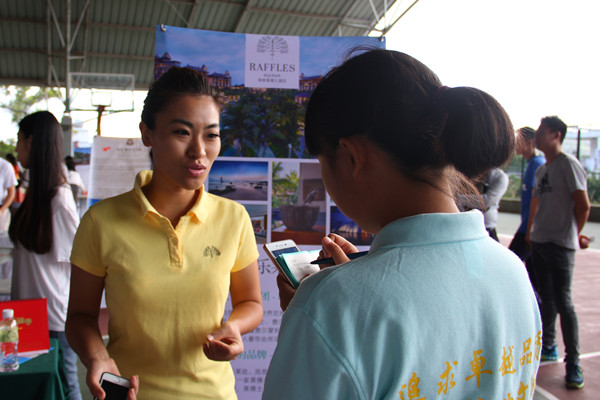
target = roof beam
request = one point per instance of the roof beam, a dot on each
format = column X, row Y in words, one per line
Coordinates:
column 90, row 24
column 242, row 17
column 76, row 55
column 193, row 13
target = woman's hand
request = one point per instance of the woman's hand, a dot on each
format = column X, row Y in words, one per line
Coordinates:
column 333, row 246
column 94, row 373
column 286, row 292
column 336, row 247
column 224, row 344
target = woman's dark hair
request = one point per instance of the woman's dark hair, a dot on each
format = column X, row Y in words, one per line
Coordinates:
column 401, row 106
column 70, row 163
column 174, row 83
column 11, row 159
column 32, row 224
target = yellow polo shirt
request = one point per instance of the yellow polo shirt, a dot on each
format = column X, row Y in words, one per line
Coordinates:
column 166, row 288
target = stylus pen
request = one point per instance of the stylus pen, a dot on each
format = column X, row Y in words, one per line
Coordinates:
column 351, row 256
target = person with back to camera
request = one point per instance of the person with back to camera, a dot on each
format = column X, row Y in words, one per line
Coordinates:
column 73, row 176
column 493, row 187
column 168, row 253
column 560, row 207
column 525, row 146
column 436, row 308
column 43, row 228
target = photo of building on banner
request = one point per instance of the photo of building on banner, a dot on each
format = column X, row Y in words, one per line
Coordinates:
column 264, row 163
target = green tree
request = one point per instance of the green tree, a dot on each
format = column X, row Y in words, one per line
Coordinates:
column 285, row 189
column 23, row 98
column 262, row 123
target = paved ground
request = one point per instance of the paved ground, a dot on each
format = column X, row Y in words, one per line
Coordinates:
column 586, row 283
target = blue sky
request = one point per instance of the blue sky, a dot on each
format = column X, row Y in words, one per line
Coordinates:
column 240, row 170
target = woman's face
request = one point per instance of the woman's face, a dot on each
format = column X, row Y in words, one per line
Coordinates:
column 185, row 142
column 23, row 148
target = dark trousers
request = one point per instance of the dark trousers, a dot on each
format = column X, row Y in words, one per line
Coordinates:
column 523, row 251
column 493, row 234
column 554, row 273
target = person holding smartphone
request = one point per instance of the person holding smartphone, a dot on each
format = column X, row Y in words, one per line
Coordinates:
column 437, row 308
column 168, row 254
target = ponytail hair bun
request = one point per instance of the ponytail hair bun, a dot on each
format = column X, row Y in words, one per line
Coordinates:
column 401, row 106
column 478, row 135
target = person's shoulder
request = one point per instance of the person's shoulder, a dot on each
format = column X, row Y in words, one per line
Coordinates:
column 538, row 160
column 570, row 162
column 113, row 204
column 5, row 165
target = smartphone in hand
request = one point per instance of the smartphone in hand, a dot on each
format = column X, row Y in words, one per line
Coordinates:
column 115, row 387
column 276, row 249
column 292, row 263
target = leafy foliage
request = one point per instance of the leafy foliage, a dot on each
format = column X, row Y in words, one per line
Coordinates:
column 285, row 189
column 23, row 98
column 594, row 188
column 262, row 124
column 6, row 148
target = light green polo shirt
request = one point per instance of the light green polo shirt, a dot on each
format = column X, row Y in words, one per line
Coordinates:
column 166, row 287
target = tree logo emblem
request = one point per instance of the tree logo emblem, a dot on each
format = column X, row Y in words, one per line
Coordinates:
column 211, row 251
column 272, row 45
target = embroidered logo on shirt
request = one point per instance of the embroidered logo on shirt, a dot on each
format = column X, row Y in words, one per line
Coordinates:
column 211, row 251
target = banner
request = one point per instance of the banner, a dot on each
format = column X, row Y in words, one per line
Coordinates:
column 114, row 164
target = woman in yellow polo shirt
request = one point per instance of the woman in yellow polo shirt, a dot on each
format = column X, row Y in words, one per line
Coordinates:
column 167, row 254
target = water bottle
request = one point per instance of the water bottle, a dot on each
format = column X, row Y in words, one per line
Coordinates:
column 9, row 341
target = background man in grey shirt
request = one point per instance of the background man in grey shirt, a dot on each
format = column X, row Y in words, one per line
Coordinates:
column 559, row 209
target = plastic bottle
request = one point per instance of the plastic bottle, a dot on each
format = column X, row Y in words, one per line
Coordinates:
column 9, row 341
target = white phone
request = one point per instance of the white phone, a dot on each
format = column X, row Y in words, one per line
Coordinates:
column 275, row 249
column 115, row 387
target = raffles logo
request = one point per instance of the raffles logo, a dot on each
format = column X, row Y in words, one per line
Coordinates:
column 211, row 251
column 272, row 61
column 272, row 45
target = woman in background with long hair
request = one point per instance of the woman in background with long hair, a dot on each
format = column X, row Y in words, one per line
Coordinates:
column 43, row 228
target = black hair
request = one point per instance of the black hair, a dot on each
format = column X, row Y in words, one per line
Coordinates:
column 400, row 105
column 70, row 163
column 556, row 124
column 11, row 159
column 174, row 83
column 32, row 224
column 527, row 132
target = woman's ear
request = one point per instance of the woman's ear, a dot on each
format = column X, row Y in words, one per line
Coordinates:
column 146, row 134
column 353, row 151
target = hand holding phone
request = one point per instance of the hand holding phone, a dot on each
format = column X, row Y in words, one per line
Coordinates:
column 115, row 387
column 275, row 249
column 292, row 263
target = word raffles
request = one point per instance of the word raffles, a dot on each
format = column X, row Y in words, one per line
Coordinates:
column 411, row 391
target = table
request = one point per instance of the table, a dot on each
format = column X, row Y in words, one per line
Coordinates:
column 40, row 378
